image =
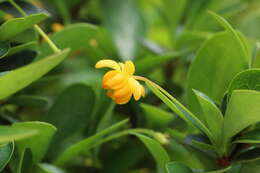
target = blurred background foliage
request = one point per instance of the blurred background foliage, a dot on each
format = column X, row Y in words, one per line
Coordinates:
column 162, row 37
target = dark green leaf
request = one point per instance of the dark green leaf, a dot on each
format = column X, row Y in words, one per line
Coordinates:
column 74, row 115
column 18, row 79
column 28, row 100
column 248, row 155
column 6, row 152
column 175, row 167
column 249, row 137
column 25, row 163
column 21, row 47
column 4, row 49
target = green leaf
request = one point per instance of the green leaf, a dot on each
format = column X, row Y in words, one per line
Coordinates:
column 74, row 115
column 243, row 110
column 75, row 37
column 153, row 61
column 6, row 152
column 248, row 155
column 175, row 167
column 157, row 151
column 218, row 59
column 179, row 109
column 156, row 116
column 39, row 143
column 9, row 29
column 211, row 116
column 25, row 162
column 86, row 144
column 4, row 49
column 22, row 77
column 9, row 134
column 248, row 79
column 125, row 24
column 223, row 170
column 22, row 47
column 29, row 101
column 256, row 62
column 252, row 137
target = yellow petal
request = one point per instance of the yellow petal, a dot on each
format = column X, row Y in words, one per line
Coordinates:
column 123, row 100
column 123, row 92
column 115, row 80
column 136, row 88
column 129, row 68
column 107, row 63
column 143, row 91
column 107, row 77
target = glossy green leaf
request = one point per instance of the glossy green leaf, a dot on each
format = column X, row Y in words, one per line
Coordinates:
column 252, row 137
column 214, row 59
column 74, row 115
column 44, row 136
column 211, row 116
column 6, row 152
column 157, row 151
column 248, row 155
column 22, row 77
column 9, row 134
column 175, row 167
column 243, row 110
column 9, row 29
column 4, row 49
column 86, row 144
column 125, row 24
column 248, row 79
column 75, row 37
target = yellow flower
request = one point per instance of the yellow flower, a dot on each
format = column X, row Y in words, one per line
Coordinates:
column 120, row 82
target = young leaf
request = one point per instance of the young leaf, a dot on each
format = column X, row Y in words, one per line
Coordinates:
column 211, row 116
column 9, row 29
column 44, row 136
column 18, row 79
column 6, row 152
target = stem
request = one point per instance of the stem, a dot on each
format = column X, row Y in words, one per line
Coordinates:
column 36, row 27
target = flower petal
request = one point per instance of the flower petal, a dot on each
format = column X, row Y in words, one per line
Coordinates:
column 108, row 76
column 123, row 92
column 129, row 68
column 116, row 80
column 108, row 63
column 143, row 91
column 123, row 100
column 136, row 88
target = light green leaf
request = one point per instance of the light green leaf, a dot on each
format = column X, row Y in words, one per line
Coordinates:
column 175, row 167
column 9, row 134
column 211, row 116
column 86, row 144
column 22, row 47
column 213, row 60
column 6, row 152
column 9, row 29
column 243, row 110
column 248, row 79
column 39, row 143
column 157, row 151
column 22, row 77
column 47, row 168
